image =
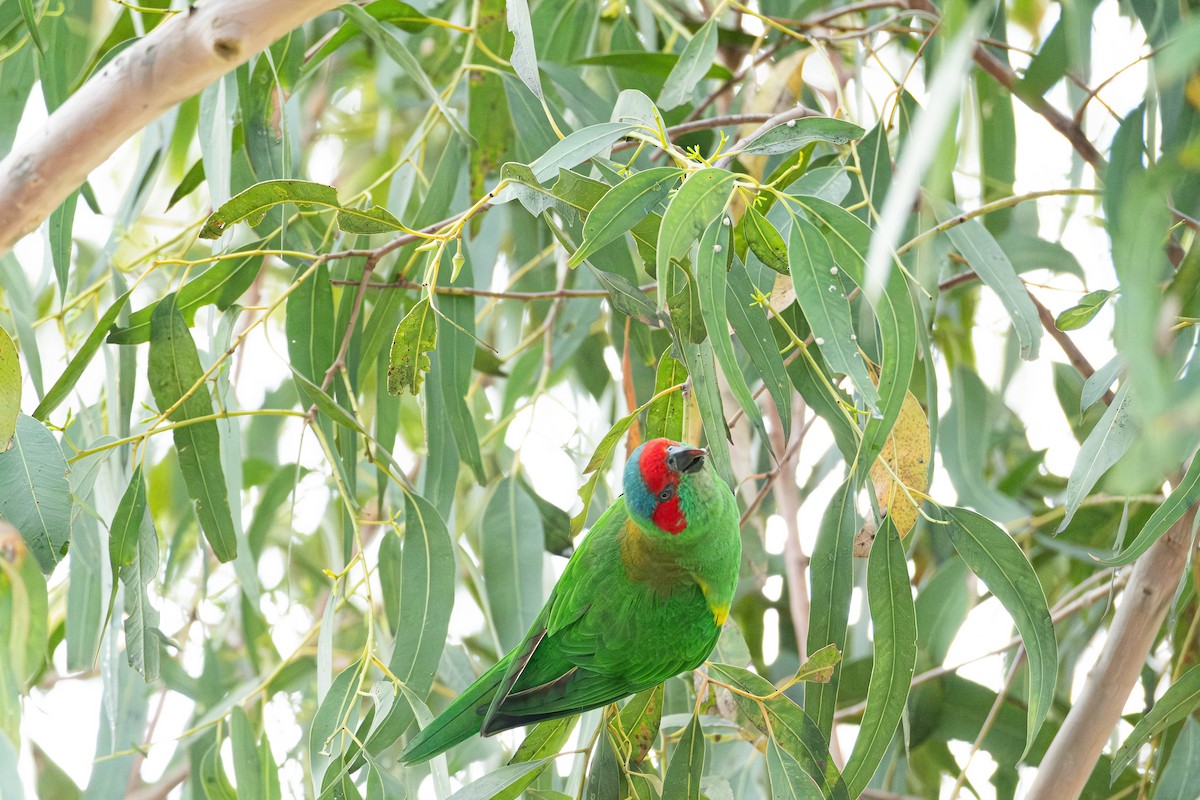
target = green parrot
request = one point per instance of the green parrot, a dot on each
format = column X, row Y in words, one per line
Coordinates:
column 642, row 599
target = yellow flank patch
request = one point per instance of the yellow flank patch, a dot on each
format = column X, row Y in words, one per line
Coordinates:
column 720, row 613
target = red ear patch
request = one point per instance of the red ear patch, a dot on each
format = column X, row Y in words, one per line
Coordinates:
column 653, row 465
column 669, row 516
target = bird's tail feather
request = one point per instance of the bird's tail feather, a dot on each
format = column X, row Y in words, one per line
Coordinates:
column 460, row 721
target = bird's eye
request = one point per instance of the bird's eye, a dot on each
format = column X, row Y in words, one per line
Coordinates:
column 666, row 494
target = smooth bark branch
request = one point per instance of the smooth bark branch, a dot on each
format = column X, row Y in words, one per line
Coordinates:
column 1094, row 714
column 175, row 61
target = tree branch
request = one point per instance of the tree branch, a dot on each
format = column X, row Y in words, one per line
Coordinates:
column 177, row 59
column 1073, row 753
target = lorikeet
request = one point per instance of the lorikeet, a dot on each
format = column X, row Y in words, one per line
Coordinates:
column 642, row 599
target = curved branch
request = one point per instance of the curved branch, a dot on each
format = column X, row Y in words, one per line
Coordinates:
column 175, row 61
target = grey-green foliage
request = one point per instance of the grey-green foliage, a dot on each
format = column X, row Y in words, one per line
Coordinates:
column 423, row 271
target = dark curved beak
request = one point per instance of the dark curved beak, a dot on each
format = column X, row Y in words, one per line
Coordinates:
column 682, row 458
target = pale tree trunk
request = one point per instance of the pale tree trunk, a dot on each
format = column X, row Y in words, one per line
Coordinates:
column 173, row 62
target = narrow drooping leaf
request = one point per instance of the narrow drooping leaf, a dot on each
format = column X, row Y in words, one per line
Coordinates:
column 700, row 200
column 685, row 767
column 764, row 241
column 221, row 284
column 1110, row 439
column 79, row 362
column 1186, row 493
column 999, row 562
column 141, row 617
column 754, row 333
column 832, row 577
column 692, row 66
column 177, row 382
column 665, row 415
column 698, row 358
column 511, row 538
column 425, row 599
column 901, row 473
column 823, row 298
column 35, row 495
column 571, row 151
column 10, row 389
column 415, row 336
column 790, row 727
column 126, row 523
column 510, row 779
column 1084, row 311
column 625, row 205
column 309, row 324
column 796, row 133
column 711, row 258
column 640, row 721
column 524, row 54
column 788, row 779
column 977, row 246
column 894, row 656
column 253, row 203
column 399, row 53
column 1180, row 700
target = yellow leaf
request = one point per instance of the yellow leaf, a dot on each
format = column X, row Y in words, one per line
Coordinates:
column 905, row 457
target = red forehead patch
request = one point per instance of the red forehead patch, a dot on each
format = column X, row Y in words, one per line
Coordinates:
column 653, row 464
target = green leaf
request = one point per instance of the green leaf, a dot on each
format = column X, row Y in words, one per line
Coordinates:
column 30, row 16
column 700, row 200
column 35, row 496
column 1177, row 776
column 253, row 203
column 127, row 522
column 764, row 241
column 1104, row 446
column 75, row 368
column 788, row 779
column 545, row 739
column 1084, row 311
column 399, row 52
column 325, row 403
column 247, row 762
column 423, row 599
column 571, row 151
column 141, row 617
column 894, row 656
column 832, row 580
column 641, row 718
column 823, row 298
column 790, row 726
column 1182, row 497
column 622, row 207
column 711, row 286
column 10, row 390
column 402, row 15
column 309, row 325
column 524, row 53
column 692, row 66
column 698, row 358
column 754, row 333
column 175, row 375
column 686, row 765
column 367, row 221
column 222, row 284
column 1179, row 701
column 656, row 64
column 510, row 779
column 999, row 562
column 415, row 336
column 664, row 418
column 511, row 536
column 981, row 252
column 818, row 668
column 796, row 133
